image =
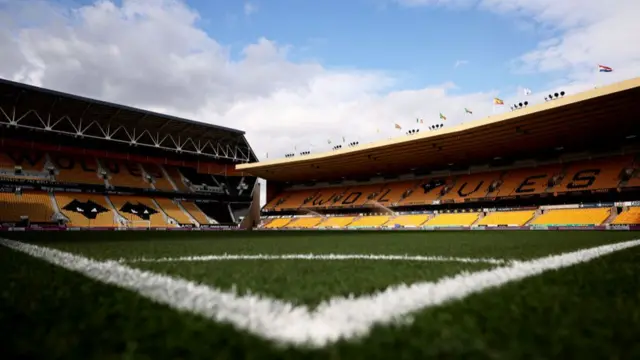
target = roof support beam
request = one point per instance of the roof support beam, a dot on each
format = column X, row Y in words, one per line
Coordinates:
column 133, row 135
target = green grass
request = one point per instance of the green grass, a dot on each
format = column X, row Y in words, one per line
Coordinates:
column 589, row 311
column 309, row 282
column 498, row 244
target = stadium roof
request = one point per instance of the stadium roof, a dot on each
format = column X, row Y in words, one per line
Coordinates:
column 596, row 117
column 31, row 107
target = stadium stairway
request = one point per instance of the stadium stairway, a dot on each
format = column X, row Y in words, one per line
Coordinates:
column 54, row 204
column 119, row 218
column 198, row 214
column 479, row 219
column 193, row 219
column 612, row 216
column 165, row 213
column 537, row 213
column 168, row 178
column 628, row 216
column 175, row 212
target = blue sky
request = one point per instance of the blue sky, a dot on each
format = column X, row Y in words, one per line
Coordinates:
column 342, row 56
column 419, row 44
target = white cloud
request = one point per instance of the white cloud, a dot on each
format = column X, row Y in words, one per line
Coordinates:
column 587, row 33
column 151, row 54
column 459, row 63
column 250, row 8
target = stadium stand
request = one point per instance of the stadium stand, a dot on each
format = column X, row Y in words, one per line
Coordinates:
column 34, row 206
column 507, row 218
column 86, row 210
column 631, row 216
column 570, row 162
column 195, row 212
column 125, row 168
column 370, row 221
column 560, row 163
column 573, row 217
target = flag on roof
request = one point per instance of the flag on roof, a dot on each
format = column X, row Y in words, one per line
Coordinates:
column 267, row 155
column 328, row 141
column 343, row 139
column 497, row 101
column 527, row 91
column 603, row 68
column 419, row 121
column 397, row 126
column 443, row 117
column 468, row 111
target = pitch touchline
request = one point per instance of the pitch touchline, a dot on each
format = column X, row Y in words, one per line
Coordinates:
column 324, row 257
column 283, row 322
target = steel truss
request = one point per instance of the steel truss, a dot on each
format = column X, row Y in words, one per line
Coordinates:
column 236, row 149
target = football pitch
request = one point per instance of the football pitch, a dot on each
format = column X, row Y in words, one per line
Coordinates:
column 336, row 295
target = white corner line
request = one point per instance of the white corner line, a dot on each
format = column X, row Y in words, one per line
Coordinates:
column 320, row 257
column 282, row 322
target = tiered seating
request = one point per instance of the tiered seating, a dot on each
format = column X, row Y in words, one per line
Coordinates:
column 75, row 173
column 631, row 216
column 138, row 210
column 457, row 219
column 79, row 208
column 28, row 161
column 289, row 200
column 594, row 174
column 513, row 218
column 177, row 178
column 527, row 181
column 471, row 186
column 37, row 206
column 173, row 211
column 277, row 223
column 370, row 221
column 195, row 212
column 324, row 198
column 409, row 220
column 337, row 221
column 427, row 191
column 358, row 196
column 160, row 182
column 304, row 222
column 595, row 216
column 394, row 191
column 125, row 174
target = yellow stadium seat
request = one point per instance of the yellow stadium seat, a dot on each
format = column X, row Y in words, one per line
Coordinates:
column 136, row 218
column 595, row 216
column 70, row 204
column 409, row 220
column 173, row 211
column 304, row 222
column 370, row 221
column 195, row 212
column 278, row 223
column 35, row 205
column 336, row 221
column 457, row 219
column 514, row 218
column 629, row 217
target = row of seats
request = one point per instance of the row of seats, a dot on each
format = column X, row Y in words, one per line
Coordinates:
column 608, row 173
column 558, row 217
column 87, row 170
column 93, row 210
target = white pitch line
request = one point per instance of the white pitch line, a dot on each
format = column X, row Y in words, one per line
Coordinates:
column 322, row 257
column 285, row 323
